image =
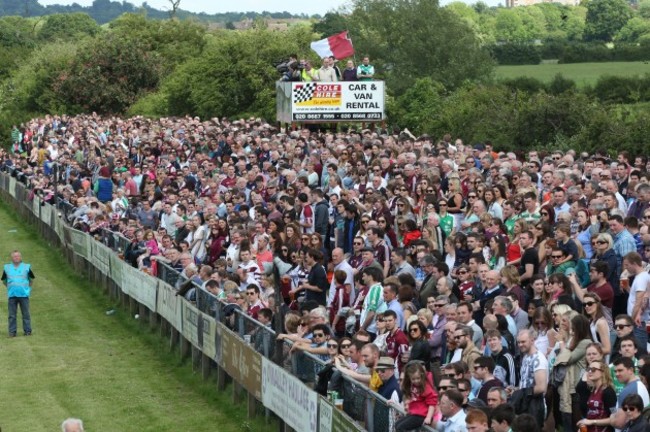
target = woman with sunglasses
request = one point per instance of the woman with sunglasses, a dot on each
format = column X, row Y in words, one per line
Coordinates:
column 586, row 228
column 543, row 235
column 598, row 326
column 390, row 234
column 547, row 214
column 604, row 251
column 419, row 348
column 546, row 334
column 572, row 357
column 601, row 399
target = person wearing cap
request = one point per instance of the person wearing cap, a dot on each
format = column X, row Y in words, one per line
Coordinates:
column 389, row 388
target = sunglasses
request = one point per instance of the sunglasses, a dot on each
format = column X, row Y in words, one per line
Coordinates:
column 429, row 190
column 459, row 337
column 601, row 242
column 366, row 221
column 462, row 272
column 305, row 239
column 345, row 345
column 414, row 330
column 593, row 369
column 440, row 305
column 587, row 304
column 444, row 388
column 319, row 335
column 471, row 196
column 332, row 346
column 544, row 213
column 463, row 389
column 442, row 205
column 358, row 244
column 621, row 326
column 629, row 409
column 556, row 256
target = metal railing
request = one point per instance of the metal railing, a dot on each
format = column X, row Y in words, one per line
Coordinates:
column 359, row 402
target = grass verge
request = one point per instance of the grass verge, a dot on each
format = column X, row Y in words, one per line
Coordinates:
column 108, row 370
column 584, row 74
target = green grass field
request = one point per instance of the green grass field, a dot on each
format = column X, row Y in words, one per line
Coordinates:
column 110, row 371
column 582, row 73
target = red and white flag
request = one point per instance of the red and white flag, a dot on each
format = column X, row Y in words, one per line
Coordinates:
column 339, row 46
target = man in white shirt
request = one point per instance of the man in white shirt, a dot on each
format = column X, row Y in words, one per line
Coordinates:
column 451, row 407
column 340, row 263
column 637, row 301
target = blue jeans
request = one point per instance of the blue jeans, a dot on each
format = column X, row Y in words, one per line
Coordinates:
column 24, row 310
column 641, row 336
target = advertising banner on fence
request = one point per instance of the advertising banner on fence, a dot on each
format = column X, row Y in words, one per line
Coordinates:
column 80, row 242
column 46, row 215
column 337, row 101
column 12, row 187
column 332, row 419
column 241, row 361
column 116, row 269
column 170, row 306
column 139, row 285
column 102, row 257
column 209, row 336
column 192, row 324
column 59, row 226
column 289, row 398
column 36, row 206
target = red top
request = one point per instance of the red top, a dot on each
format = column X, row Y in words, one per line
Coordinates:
column 420, row 403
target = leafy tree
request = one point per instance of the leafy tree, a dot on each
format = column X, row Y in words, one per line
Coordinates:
column 17, row 32
column 510, row 27
column 407, row 40
column 31, row 87
column 635, row 28
column 68, row 27
column 559, row 84
column 109, row 74
column 235, row 73
column 332, row 23
column 173, row 40
column 417, row 108
column 644, row 8
column 605, row 18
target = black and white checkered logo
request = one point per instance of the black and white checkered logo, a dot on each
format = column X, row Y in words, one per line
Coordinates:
column 303, row 92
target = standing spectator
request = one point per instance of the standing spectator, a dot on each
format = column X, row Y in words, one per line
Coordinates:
column 636, row 307
column 350, row 72
column 18, row 277
column 327, row 73
column 365, row 71
column 373, row 303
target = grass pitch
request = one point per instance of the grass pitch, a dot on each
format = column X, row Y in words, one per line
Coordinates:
column 584, row 74
column 110, row 371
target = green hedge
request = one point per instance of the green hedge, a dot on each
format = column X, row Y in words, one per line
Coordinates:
column 516, row 54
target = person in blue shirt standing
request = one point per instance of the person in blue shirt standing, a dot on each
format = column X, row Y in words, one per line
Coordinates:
column 18, row 277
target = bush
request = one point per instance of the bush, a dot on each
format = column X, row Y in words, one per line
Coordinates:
column 586, row 53
column 516, row 54
column 617, row 89
column 526, row 84
column 560, row 85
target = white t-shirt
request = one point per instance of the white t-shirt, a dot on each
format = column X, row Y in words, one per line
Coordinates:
column 640, row 284
column 530, row 364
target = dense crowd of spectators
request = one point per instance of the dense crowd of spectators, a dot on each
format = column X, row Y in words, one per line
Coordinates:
column 477, row 288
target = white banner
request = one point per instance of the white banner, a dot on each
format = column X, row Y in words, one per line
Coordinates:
column 289, row 398
column 80, row 243
column 191, row 323
column 59, row 226
column 209, row 334
column 102, row 257
column 139, row 285
column 12, row 187
column 46, row 214
column 36, row 204
column 353, row 101
column 116, row 270
column 170, row 306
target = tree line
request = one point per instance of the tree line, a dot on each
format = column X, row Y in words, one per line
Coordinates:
column 438, row 70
